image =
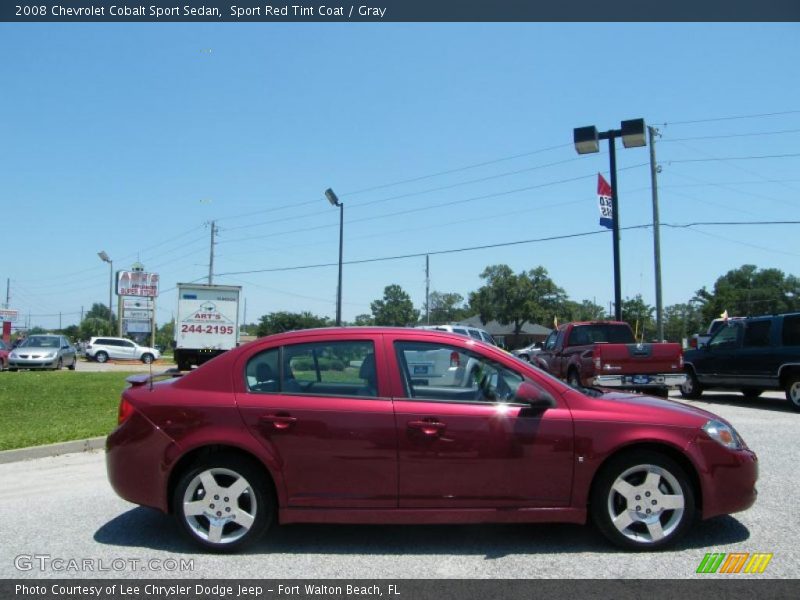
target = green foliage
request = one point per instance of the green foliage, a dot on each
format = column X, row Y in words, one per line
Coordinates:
column 681, row 321
column 278, row 322
column 639, row 316
column 363, row 320
column 165, row 335
column 749, row 291
column 72, row 332
column 446, row 307
column 325, row 364
column 395, row 309
column 585, row 310
column 93, row 327
column 527, row 297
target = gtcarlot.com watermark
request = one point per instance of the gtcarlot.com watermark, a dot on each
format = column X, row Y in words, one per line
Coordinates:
column 61, row 564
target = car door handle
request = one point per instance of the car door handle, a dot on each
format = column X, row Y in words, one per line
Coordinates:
column 430, row 428
column 279, row 421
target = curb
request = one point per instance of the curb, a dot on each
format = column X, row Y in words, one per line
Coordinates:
column 18, row 454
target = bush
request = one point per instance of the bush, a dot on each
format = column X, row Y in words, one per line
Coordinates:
column 325, row 364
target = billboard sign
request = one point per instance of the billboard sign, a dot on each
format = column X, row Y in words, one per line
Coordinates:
column 8, row 314
column 131, row 326
column 137, row 303
column 137, row 314
column 137, row 283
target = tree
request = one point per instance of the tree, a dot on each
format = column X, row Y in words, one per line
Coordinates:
column 395, row 309
column 529, row 297
column 682, row 321
column 277, row 322
column 585, row 310
column 93, row 327
column 446, row 307
column 165, row 335
column 364, row 320
column 748, row 291
column 639, row 316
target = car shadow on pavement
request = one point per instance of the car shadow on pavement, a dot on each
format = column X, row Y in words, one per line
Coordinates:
column 146, row 528
column 761, row 403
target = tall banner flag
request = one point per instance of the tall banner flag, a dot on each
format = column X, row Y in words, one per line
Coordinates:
column 604, row 201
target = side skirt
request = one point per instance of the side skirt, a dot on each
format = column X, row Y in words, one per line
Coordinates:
column 407, row 516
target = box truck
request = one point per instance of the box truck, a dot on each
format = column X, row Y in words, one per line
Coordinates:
column 207, row 323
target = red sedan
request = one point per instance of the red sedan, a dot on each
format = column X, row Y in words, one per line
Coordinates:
column 392, row 425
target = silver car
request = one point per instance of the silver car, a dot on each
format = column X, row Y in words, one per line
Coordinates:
column 43, row 352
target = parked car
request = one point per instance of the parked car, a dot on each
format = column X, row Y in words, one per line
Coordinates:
column 4, row 350
column 43, row 352
column 606, row 354
column 103, row 348
column 748, row 355
column 331, row 426
column 528, row 351
column 698, row 340
column 473, row 332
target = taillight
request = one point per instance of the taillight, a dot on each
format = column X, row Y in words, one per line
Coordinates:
column 598, row 362
column 125, row 411
column 455, row 359
column 680, row 361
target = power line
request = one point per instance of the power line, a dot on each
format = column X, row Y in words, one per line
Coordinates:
column 689, row 160
column 733, row 118
column 730, row 135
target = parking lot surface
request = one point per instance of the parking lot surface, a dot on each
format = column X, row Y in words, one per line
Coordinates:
column 63, row 507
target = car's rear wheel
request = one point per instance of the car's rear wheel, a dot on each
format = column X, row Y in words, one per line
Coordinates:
column 224, row 503
column 643, row 501
column 573, row 378
column 147, row 358
column 752, row 393
column 101, row 357
column 793, row 391
column 691, row 388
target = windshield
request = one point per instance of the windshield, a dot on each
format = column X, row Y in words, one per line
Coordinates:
column 40, row 341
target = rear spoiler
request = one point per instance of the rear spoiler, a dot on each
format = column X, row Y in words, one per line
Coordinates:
column 148, row 378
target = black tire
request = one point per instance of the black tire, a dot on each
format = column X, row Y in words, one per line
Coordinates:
column 793, row 391
column 12, row 369
column 256, row 503
column 661, row 392
column 691, row 388
column 573, row 378
column 525, row 357
column 752, row 393
column 2, row 366
column 59, row 365
column 147, row 358
column 651, row 478
column 74, row 362
column 101, row 357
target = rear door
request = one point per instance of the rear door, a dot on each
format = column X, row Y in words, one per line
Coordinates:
column 468, row 445
column 321, row 408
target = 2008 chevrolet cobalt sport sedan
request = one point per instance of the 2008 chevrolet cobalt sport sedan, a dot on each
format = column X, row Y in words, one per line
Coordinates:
column 363, row 425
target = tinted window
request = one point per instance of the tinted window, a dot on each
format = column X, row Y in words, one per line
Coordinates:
column 791, row 331
column 460, row 330
column 487, row 338
column 474, row 333
column 433, row 371
column 330, row 368
column 726, row 336
column 756, row 334
column 263, row 374
column 591, row 334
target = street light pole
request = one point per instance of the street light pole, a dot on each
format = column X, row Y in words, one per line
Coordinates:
column 334, row 200
column 654, row 170
column 105, row 258
column 587, row 141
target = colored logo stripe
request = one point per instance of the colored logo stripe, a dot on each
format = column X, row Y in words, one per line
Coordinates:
column 717, row 561
column 711, row 562
column 757, row 563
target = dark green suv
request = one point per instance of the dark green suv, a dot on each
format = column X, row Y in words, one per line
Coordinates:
column 750, row 355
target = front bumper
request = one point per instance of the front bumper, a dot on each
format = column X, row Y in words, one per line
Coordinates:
column 727, row 478
column 37, row 362
column 659, row 380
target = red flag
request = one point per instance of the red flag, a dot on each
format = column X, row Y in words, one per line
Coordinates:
column 605, row 205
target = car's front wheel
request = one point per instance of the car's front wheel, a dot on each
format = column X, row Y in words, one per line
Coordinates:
column 793, row 391
column 223, row 503
column 101, row 357
column 691, row 388
column 643, row 501
column 147, row 358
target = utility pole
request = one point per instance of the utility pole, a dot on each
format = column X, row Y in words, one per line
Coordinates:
column 244, row 316
column 427, row 289
column 8, row 291
column 654, row 170
column 211, row 256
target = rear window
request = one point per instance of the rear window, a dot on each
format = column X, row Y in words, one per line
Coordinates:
column 756, row 334
column 592, row 334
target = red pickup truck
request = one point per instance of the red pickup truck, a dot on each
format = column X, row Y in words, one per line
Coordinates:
column 605, row 354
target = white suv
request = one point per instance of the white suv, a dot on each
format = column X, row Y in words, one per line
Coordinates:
column 103, row 348
column 473, row 332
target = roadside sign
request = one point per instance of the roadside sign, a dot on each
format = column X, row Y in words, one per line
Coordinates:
column 8, row 314
column 137, row 303
column 137, row 314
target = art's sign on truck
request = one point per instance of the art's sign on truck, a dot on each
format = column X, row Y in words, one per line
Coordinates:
column 207, row 322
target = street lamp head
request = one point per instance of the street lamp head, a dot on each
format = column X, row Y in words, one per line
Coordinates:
column 586, row 139
column 103, row 256
column 633, row 133
column 332, row 198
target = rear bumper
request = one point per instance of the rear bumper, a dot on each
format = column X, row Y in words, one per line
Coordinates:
column 657, row 380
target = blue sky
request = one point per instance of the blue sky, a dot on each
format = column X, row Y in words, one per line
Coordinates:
column 129, row 138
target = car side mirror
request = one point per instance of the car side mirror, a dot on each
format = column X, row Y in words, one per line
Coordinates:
column 534, row 396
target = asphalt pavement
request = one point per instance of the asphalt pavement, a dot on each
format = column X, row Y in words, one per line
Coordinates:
column 59, row 513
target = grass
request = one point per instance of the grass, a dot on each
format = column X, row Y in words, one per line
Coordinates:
column 44, row 407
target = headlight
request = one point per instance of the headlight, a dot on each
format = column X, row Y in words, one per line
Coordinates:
column 50, row 355
column 723, row 434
